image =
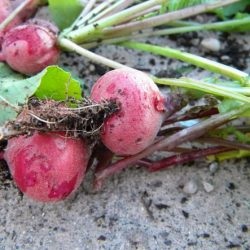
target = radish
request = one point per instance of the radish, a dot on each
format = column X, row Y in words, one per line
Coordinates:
column 29, row 48
column 136, row 124
column 47, row 167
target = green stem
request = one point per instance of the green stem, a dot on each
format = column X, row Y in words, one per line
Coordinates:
column 99, row 8
column 127, row 28
column 88, row 7
column 69, row 45
column 199, row 61
column 203, row 86
column 13, row 14
column 224, row 25
column 81, row 34
column 84, row 17
column 114, row 8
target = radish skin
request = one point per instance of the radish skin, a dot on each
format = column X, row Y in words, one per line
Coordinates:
column 47, row 167
column 136, row 124
column 30, row 48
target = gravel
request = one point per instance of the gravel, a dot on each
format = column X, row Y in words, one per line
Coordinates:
column 191, row 187
column 211, row 43
column 208, row 187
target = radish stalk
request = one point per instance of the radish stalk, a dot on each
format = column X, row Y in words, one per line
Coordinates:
column 199, row 61
column 186, row 117
column 225, row 143
column 69, row 45
column 186, row 157
column 170, row 142
column 88, row 7
column 97, row 29
column 114, row 8
column 84, row 16
column 205, row 87
column 80, row 35
column 165, row 18
column 114, row 38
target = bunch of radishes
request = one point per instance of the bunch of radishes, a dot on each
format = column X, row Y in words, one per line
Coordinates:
column 27, row 47
column 50, row 166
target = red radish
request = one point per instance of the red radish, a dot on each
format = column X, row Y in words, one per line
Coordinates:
column 135, row 126
column 30, row 48
column 47, row 167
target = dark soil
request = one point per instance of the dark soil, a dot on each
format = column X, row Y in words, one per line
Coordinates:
column 76, row 118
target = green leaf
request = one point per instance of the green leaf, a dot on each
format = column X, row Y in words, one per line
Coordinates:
column 180, row 4
column 164, row 7
column 57, row 84
column 14, row 92
column 64, row 12
column 7, row 72
column 228, row 104
column 232, row 9
column 52, row 83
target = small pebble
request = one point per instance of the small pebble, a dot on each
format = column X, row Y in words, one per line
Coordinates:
column 213, row 167
column 195, row 41
column 225, row 58
column 91, row 68
column 208, row 187
column 211, row 44
column 190, row 187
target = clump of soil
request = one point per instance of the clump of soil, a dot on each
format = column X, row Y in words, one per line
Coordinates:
column 76, row 118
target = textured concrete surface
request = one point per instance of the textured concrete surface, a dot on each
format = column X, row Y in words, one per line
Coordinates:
column 195, row 206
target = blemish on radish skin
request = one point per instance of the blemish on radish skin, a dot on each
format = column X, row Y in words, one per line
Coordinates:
column 30, row 179
column 111, row 88
column 64, row 189
column 159, row 104
column 60, row 143
column 44, row 37
column 45, row 166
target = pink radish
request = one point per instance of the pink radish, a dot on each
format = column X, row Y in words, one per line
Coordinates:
column 135, row 126
column 47, row 167
column 29, row 48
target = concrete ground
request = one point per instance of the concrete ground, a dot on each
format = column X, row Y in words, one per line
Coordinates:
column 197, row 206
